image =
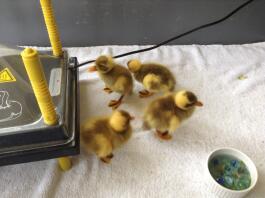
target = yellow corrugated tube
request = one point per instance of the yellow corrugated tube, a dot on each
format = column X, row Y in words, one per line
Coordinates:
column 47, row 10
column 65, row 163
column 35, row 73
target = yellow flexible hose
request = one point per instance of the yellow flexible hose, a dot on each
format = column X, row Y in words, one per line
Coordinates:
column 35, row 73
column 65, row 163
column 47, row 10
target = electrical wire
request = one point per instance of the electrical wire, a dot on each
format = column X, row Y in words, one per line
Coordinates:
column 175, row 37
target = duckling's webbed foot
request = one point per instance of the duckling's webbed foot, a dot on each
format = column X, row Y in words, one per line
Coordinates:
column 116, row 103
column 108, row 90
column 145, row 94
column 110, row 156
column 164, row 135
column 107, row 159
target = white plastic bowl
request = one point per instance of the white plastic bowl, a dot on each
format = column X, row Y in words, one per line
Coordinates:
column 223, row 192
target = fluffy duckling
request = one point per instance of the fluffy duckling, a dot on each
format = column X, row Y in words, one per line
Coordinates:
column 116, row 78
column 166, row 113
column 104, row 134
column 154, row 77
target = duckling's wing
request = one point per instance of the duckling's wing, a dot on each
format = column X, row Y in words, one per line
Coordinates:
column 123, row 84
column 158, row 77
column 159, row 114
column 152, row 82
column 174, row 123
column 103, row 146
column 167, row 78
column 95, row 136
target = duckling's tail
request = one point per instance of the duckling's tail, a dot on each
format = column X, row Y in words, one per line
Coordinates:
column 152, row 82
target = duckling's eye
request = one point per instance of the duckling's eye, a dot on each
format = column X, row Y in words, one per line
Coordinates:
column 189, row 105
column 191, row 97
column 102, row 67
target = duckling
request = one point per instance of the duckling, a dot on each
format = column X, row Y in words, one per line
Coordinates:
column 116, row 78
column 166, row 113
column 104, row 134
column 154, row 77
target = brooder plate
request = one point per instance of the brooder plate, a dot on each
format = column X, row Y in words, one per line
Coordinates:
column 24, row 137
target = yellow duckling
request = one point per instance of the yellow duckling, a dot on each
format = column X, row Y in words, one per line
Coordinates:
column 116, row 78
column 104, row 134
column 166, row 113
column 154, row 77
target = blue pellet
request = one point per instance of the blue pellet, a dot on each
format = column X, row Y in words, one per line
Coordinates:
column 220, row 180
column 234, row 163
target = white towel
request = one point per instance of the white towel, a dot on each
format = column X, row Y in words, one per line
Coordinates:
column 233, row 116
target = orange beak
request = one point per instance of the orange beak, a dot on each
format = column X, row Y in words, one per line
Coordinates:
column 92, row 69
column 198, row 104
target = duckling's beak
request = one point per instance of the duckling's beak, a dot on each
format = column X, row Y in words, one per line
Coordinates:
column 92, row 69
column 199, row 104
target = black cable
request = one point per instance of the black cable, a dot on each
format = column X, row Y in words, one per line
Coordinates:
column 176, row 37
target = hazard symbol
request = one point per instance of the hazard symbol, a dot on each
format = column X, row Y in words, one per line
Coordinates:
column 6, row 76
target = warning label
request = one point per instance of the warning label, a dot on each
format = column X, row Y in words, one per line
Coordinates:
column 6, row 76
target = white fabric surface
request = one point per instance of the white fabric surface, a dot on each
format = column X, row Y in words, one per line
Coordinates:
column 233, row 116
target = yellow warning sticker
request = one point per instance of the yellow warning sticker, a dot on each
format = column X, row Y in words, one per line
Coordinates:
column 6, row 76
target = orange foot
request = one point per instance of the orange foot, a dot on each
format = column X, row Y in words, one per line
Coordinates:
column 108, row 90
column 163, row 135
column 145, row 94
column 107, row 159
column 116, row 103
